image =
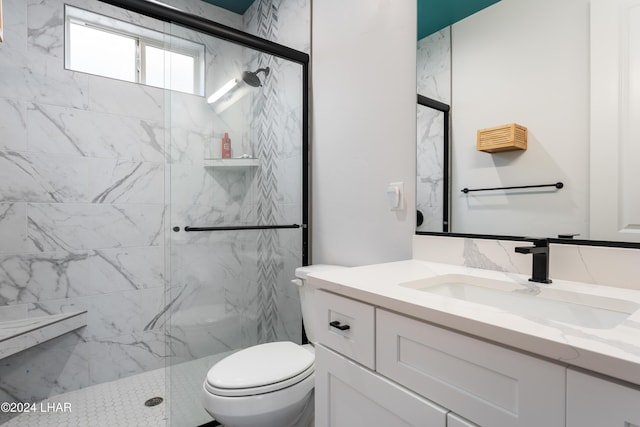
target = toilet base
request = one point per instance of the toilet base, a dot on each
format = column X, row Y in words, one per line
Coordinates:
column 279, row 418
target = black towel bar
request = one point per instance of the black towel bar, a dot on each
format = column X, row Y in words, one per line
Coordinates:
column 558, row 185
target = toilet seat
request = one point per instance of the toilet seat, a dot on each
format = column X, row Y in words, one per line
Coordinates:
column 260, row 369
column 241, row 392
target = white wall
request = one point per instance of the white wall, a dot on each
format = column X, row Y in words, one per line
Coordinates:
column 523, row 61
column 363, row 129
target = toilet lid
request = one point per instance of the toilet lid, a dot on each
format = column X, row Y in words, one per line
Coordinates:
column 260, row 365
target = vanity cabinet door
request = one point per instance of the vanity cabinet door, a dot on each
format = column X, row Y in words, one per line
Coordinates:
column 482, row 382
column 593, row 401
column 348, row 395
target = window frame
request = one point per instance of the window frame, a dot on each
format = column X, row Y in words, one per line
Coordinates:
column 143, row 37
column 198, row 61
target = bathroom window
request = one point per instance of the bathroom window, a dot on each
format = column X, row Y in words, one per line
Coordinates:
column 108, row 47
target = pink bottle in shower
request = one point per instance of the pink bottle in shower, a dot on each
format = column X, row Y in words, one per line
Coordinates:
column 226, row 146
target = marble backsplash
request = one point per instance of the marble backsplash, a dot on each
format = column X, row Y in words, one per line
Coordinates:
column 598, row 265
column 94, row 172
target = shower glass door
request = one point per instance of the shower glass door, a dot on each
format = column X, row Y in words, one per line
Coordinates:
column 236, row 217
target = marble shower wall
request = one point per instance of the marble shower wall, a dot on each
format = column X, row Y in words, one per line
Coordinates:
column 433, row 62
column 87, row 169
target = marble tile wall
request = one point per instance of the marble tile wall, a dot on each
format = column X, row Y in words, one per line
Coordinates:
column 92, row 179
column 433, row 61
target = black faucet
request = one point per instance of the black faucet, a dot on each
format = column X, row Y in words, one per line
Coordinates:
column 540, row 252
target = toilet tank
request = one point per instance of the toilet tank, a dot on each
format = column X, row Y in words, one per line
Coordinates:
column 307, row 300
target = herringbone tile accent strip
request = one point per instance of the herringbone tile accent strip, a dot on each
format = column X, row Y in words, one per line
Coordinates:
column 266, row 124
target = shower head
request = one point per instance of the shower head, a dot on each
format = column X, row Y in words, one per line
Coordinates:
column 252, row 79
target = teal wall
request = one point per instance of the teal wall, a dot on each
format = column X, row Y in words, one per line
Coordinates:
column 434, row 15
column 237, row 6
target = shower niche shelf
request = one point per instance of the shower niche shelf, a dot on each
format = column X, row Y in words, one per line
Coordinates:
column 21, row 334
column 231, row 163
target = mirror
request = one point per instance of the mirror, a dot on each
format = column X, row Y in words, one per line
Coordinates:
column 530, row 62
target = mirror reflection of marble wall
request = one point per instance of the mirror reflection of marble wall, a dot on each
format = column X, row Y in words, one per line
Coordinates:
column 434, row 81
column 433, row 63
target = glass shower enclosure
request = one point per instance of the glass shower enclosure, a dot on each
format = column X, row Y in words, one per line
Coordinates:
column 236, row 193
column 153, row 201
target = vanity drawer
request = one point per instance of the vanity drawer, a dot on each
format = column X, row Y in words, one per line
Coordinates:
column 346, row 326
column 487, row 384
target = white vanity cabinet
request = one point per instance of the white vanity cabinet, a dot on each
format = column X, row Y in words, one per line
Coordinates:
column 418, row 371
column 593, row 401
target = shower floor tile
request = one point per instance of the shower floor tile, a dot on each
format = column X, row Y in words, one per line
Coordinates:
column 120, row 403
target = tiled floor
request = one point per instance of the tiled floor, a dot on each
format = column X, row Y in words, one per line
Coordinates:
column 121, row 403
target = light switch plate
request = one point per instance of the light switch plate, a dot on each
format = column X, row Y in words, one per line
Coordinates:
column 395, row 196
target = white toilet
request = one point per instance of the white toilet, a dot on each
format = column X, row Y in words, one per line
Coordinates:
column 267, row 385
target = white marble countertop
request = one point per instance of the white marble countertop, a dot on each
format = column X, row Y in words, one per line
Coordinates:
column 613, row 351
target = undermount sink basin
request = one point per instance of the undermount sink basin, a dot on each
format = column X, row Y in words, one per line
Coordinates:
column 588, row 311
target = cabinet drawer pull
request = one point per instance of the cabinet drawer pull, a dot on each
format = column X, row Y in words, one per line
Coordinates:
column 337, row 325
